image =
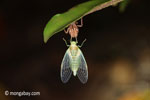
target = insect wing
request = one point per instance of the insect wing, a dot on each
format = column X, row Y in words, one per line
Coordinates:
column 82, row 72
column 65, row 72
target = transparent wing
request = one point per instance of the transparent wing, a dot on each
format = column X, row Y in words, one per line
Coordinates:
column 65, row 72
column 82, row 72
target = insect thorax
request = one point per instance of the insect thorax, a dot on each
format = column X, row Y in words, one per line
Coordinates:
column 73, row 50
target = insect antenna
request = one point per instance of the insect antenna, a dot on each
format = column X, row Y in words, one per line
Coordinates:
column 82, row 43
column 66, row 42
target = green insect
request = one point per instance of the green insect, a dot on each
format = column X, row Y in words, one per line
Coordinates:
column 74, row 61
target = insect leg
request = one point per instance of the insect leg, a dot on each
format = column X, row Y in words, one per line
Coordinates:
column 66, row 31
column 81, row 24
column 66, row 42
column 70, row 39
column 76, row 40
column 82, row 43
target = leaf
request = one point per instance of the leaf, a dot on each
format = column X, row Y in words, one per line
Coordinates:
column 123, row 5
column 60, row 21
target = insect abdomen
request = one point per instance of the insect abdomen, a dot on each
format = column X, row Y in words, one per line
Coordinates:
column 75, row 66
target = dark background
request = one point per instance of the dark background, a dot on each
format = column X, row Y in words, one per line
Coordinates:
column 117, row 51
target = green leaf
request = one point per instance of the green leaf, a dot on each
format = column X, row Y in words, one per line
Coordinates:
column 123, row 5
column 60, row 21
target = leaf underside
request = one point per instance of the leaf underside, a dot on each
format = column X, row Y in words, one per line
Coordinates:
column 123, row 5
column 60, row 21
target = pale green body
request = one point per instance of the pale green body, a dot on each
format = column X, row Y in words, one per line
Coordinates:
column 74, row 61
column 74, row 53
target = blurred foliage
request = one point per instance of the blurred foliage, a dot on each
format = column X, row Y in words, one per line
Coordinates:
column 123, row 5
column 140, row 95
column 60, row 21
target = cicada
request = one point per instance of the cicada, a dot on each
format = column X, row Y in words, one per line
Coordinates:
column 73, row 29
column 74, row 62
